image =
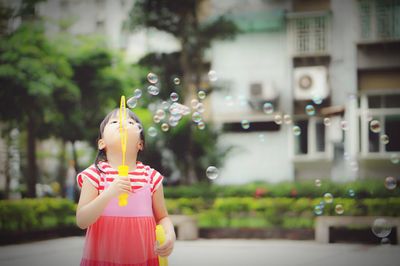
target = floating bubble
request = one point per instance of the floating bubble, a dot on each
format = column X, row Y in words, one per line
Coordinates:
column 194, row 103
column 268, row 108
column 278, row 119
column 310, row 110
column 287, row 119
column 296, row 130
column 245, row 124
column 160, row 113
column 390, row 182
column 137, row 93
column 317, row 99
column 353, row 165
column 228, row 100
column 327, row 121
column 173, row 121
column 201, row 125
column 156, row 119
column 153, row 90
column 344, row 125
column 375, row 126
column 164, row 127
column 131, row 102
column 196, row 117
column 351, row 192
column 174, row 96
column 261, row 137
column 381, row 227
column 328, row 197
column 152, row 78
column 339, row 209
column 395, row 158
column 174, row 109
column 212, row 172
column 318, row 210
column 165, row 105
column 177, row 81
column 318, row 182
column 212, row 75
column 201, row 95
column 384, row 139
column 200, row 108
column 152, row 132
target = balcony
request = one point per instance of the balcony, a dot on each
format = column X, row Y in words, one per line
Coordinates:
column 309, row 33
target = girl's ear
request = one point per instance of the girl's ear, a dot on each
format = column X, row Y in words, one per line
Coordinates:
column 100, row 144
column 140, row 145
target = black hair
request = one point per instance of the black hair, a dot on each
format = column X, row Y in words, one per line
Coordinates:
column 101, row 154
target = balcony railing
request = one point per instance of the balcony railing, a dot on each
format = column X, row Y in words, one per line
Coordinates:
column 309, row 33
column 379, row 20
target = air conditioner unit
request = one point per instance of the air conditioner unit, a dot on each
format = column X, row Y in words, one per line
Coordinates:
column 310, row 82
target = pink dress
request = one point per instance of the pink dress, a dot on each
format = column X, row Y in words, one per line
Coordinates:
column 123, row 235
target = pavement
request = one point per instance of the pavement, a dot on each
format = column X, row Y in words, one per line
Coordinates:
column 233, row 252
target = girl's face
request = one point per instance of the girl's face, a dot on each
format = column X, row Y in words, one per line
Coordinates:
column 111, row 137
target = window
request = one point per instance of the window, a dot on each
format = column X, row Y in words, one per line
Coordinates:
column 311, row 141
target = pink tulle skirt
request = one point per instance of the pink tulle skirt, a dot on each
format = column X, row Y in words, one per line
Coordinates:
column 120, row 241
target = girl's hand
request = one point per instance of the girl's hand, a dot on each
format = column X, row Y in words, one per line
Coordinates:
column 120, row 185
column 165, row 249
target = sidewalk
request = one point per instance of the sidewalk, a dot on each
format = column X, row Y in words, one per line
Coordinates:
column 67, row 252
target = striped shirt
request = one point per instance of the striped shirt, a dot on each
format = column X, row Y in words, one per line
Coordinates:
column 139, row 177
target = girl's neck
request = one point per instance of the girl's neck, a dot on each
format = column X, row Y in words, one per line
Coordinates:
column 115, row 160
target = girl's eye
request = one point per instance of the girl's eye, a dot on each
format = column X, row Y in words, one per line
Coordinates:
column 113, row 122
column 131, row 122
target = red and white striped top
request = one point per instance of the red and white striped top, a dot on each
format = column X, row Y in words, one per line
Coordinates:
column 139, row 177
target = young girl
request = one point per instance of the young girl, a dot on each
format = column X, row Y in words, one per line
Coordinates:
column 122, row 235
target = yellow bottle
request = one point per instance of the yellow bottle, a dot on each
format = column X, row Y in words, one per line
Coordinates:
column 123, row 197
column 160, row 237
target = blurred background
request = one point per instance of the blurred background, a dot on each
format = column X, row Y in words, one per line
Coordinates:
column 263, row 115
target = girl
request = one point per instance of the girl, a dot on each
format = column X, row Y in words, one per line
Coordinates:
column 122, row 235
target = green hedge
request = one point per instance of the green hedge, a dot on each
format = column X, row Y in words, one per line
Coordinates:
column 36, row 214
column 275, row 212
column 361, row 189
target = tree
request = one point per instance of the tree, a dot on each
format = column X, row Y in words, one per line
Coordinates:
column 31, row 73
column 182, row 19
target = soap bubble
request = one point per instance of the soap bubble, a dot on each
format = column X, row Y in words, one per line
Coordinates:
column 201, row 125
column 351, row 192
column 339, row 209
column 153, row 90
column 212, row 172
column 196, row 117
column 177, row 81
column 131, row 102
column 328, row 197
column 395, row 158
column 261, row 137
column 268, row 108
column 296, row 130
column 317, row 99
column 160, row 113
column 318, row 210
column 212, row 75
column 201, row 95
column 156, row 119
column 310, row 110
column 381, row 227
column 174, row 96
column 165, row 105
column 344, row 125
column 194, row 103
column 164, row 127
column 327, row 121
column 173, row 121
column 318, row 182
column 287, row 119
column 152, row 78
column 245, row 124
column 152, row 132
column 384, row 139
column 390, row 182
column 278, row 119
column 137, row 93
column 375, row 126
column 200, row 108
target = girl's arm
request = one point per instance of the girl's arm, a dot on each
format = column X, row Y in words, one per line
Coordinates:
column 91, row 204
column 161, row 216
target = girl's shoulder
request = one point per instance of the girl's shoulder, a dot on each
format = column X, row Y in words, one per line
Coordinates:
column 92, row 174
column 153, row 176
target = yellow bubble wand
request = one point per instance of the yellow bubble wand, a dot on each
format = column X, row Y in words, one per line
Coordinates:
column 123, row 169
column 160, row 237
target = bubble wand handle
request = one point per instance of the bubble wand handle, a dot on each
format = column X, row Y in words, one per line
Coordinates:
column 160, row 237
column 123, row 169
